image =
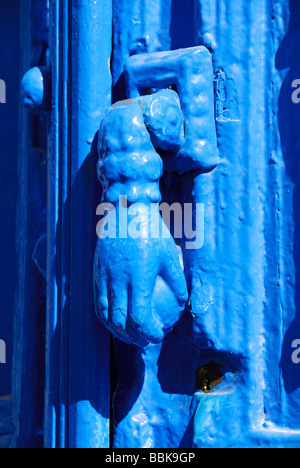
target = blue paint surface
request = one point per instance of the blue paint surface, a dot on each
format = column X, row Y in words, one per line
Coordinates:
column 77, row 406
column 240, row 281
column 9, row 34
column 224, row 134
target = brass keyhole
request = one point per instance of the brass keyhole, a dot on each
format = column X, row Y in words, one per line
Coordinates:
column 208, row 377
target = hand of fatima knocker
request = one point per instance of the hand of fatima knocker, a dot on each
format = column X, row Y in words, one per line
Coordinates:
column 140, row 287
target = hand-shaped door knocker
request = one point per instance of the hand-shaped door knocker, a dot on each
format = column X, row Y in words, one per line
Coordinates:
column 140, row 286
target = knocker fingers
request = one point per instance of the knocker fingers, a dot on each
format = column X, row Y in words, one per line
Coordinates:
column 119, row 319
column 172, row 273
column 101, row 296
column 141, row 314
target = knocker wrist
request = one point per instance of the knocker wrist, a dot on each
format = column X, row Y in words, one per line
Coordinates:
column 132, row 192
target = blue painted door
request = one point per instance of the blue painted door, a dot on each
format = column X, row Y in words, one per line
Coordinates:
column 9, row 74
column 242, row 312
column 9, row 104
column 243, row 283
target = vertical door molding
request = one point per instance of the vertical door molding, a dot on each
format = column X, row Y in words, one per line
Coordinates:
column 77, row 358
column 29, row 306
